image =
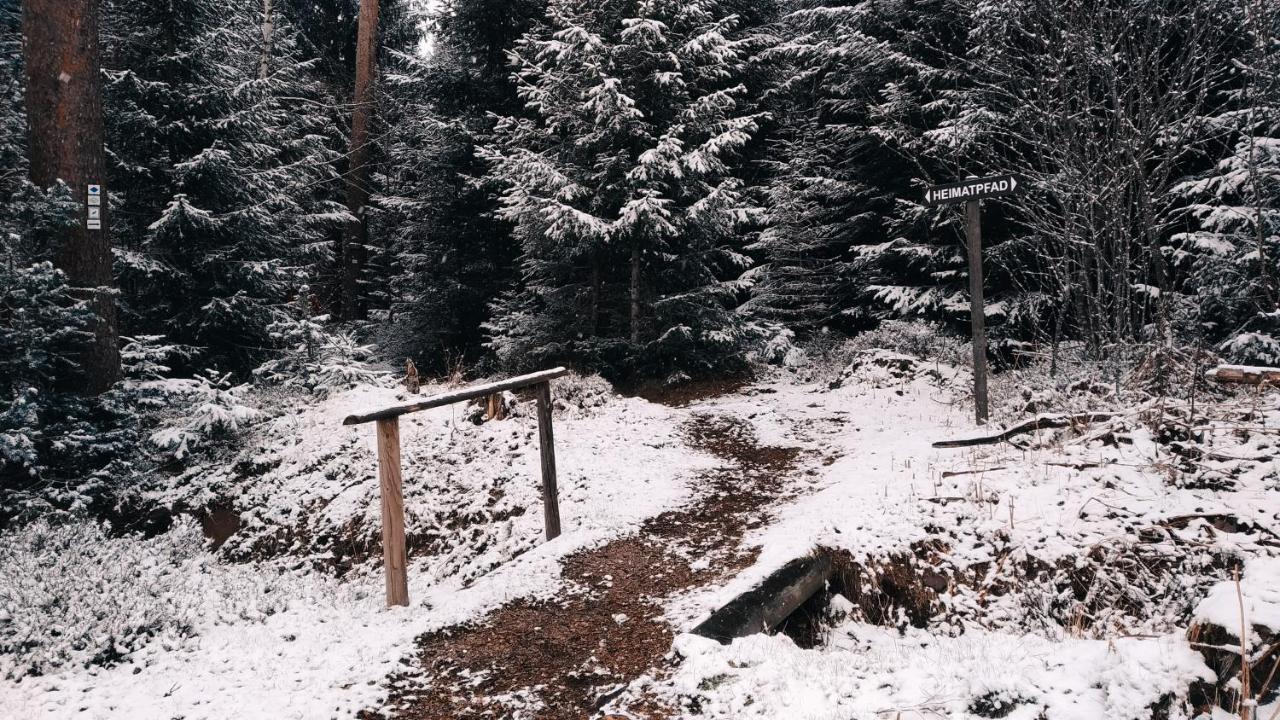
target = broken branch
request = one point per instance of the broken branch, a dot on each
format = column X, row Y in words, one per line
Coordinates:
column 1041, row 422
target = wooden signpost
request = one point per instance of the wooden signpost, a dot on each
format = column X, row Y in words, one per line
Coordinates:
column 388, row 431
column 969, row 192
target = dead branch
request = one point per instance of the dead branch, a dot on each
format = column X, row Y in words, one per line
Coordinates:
column 1041, row 422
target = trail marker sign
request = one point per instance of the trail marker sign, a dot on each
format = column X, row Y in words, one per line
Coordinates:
column 93, row 202
column 970, row 189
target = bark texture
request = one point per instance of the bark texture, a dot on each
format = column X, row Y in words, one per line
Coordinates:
column 64, row 120
column 354, row 250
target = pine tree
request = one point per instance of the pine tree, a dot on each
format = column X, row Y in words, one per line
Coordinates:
column 454, row 254
column 224, row 172
column 833, row 180
column 1231, row 255
column 621, row 188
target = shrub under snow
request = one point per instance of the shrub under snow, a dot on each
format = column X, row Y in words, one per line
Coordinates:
column 72, row 595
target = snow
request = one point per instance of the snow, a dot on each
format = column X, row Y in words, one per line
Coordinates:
column 1049, row 504
column 871, row 486
column 328, row 651
column 870, row 673
column 1260, row 593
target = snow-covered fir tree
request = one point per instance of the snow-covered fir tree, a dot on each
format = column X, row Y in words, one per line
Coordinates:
column 833, row 179
column 1231, row 256
column 620, row 187
column 452, row 253
column 223, row 165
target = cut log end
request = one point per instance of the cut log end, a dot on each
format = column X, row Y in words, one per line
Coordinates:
column 1244, row 375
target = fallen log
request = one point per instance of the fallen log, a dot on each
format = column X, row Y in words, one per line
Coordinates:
column 1244, row 375
column 765, row 606
column 1040, row 422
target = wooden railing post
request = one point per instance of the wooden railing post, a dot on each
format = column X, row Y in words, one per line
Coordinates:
column 394, row 556
column 393, row 550
column 546, row 443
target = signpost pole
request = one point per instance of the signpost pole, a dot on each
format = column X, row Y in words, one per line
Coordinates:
column 969, row 191
column 977, row 310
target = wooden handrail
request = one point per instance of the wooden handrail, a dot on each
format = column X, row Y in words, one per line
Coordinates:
column 394, row 555
column 467, row 393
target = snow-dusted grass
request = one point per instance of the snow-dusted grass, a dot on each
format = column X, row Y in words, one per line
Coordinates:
column 72, row 597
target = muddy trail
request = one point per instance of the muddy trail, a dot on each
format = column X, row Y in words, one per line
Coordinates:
column 566, row 659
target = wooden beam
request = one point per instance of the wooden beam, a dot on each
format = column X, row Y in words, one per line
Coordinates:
column 767, row 605
column 546, row 443
column 469, row 393
column 1244, row 375
column 393, row 550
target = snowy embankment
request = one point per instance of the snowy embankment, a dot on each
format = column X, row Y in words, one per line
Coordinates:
column 187, row 634
column 1061, row 576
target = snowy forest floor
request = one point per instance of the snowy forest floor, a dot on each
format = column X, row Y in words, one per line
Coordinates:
column 1084, row 572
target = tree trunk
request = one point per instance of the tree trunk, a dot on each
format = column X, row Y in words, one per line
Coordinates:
column 354, row 250
column 635, row 291
column 268, row 39
column 595, row 293
column 64, row 119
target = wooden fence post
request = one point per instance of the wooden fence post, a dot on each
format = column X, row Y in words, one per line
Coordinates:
column 546, row 443
column 393, row 551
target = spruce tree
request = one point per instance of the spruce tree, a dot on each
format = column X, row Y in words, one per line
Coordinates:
column 1231, row 254
column 620, row 187
column 223, row 174
column 453, row 254
column 833, row 180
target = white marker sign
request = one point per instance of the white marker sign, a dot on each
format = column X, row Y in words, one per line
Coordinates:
column 94, row 201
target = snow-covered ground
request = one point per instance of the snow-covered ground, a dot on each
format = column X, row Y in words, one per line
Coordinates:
column 1067, row 567
column 310, row 646
column 1072, row 567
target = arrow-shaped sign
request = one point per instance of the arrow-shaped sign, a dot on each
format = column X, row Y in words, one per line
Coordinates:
column 970, row 189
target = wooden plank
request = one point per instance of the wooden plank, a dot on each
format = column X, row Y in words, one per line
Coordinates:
column 1244, row 375
column 546, row 442
column 977, row 309
column 393, row 550
column 767, row 605
column 468, row 393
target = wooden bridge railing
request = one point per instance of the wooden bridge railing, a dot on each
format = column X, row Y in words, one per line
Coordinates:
column 389, row 480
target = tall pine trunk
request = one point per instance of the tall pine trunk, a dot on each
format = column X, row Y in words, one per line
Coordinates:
column 595, row 292
column 354, row 250
column 268, row 39
column 635, row 291
column 64, row 124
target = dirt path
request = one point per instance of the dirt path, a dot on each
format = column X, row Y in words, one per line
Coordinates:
column 566, row 660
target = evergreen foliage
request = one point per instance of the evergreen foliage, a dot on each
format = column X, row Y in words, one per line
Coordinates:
column 1231, row 255
column 221, row 173
column 452, row 254
column 620, row 186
